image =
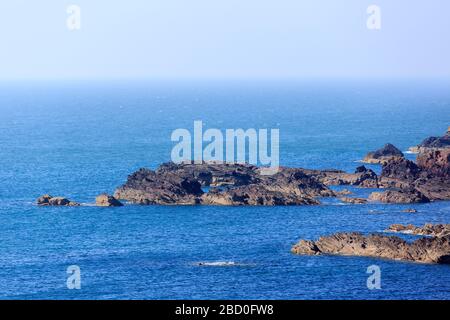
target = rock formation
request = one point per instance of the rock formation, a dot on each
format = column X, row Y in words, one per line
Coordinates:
column 406, row 195
column 426, row 250
column 434, row 230
column 435, row 163
column 230, row 184
column 433, row 143
column 48, row 200
column 105, row 200
column 388, row 152
column 363, row 177
column 430, row 176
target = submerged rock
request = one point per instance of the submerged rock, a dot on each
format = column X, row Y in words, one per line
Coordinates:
column 353, row 200
column 48, row 200
column 388, row 152
column 425, row 250
column 105, row 200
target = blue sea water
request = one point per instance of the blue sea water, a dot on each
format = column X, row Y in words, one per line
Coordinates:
column 82, row 139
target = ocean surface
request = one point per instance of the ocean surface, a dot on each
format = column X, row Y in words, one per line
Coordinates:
column 81, row 139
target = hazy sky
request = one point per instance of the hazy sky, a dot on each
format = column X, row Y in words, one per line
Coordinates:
column 224, row 39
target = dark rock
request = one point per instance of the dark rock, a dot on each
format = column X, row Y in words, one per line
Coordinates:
column 436, row 163
column 148, row 187
column 426, row 250
column 364, row 178
column 388, row 152
column 105, row 200
column 244, row 185
column 401, row 169
column 433, row 143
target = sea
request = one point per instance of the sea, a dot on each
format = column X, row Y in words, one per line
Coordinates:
column 78, row 139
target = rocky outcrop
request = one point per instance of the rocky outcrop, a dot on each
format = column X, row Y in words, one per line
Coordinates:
column 363, row 177
column 430, row 176
column 353, row 200
column 434, row 230
column 148, row 187
column 230, row 184
column 433, row 143
column 406, row 195
column 105, row 200
column 48, row 200
column 425, row 250
column 388, row 152
column 435, row 163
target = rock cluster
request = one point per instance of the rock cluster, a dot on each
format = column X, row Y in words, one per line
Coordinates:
column 426, row 250
column 230, row 184
column 363, row 177
column 48, row 200
column 428, row 179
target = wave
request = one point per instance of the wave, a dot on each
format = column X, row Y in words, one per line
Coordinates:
column 218, row 264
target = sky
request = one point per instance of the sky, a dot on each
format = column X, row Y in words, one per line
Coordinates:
column 224, row 39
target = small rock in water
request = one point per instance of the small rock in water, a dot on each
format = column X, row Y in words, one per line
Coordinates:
column 105, row 200
column 410, row 210
column 48, row 200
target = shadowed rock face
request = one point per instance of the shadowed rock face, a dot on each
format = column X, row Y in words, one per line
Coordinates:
column 429, row 177
column 148, row 187
column 425, row 250
column 388, row 152
column 436, row 163
column 233, row 184
column 48, row 200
